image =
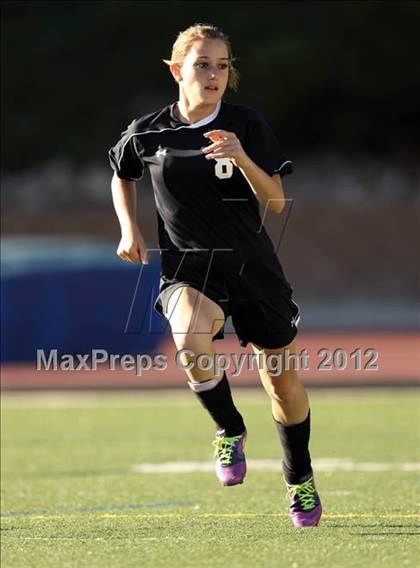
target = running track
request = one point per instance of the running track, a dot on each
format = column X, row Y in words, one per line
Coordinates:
column 398, row 363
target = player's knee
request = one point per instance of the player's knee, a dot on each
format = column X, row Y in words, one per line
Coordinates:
column 197, row 356
column 193, row 342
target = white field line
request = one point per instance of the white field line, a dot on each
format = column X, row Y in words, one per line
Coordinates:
column 326, row 464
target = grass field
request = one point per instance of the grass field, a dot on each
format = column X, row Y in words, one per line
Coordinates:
column 71, row 494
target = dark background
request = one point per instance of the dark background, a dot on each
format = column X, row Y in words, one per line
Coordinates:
column 328, row 75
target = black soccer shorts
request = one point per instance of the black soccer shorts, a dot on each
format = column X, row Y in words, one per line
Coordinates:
column 268, row 322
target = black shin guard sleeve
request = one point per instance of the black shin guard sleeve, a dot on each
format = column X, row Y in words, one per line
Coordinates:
column 295, row 442
column 219, row 403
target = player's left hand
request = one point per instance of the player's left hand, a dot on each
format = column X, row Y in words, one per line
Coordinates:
column 225, row 145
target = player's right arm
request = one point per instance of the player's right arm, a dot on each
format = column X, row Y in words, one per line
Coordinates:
column 132, row 247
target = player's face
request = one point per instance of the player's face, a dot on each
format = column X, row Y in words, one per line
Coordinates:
column 205, row 71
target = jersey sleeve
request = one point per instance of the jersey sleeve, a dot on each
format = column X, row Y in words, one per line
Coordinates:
column 125, row 156
column 263, row 148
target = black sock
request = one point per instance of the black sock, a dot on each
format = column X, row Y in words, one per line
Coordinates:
column 296, row 458
column 219, row 403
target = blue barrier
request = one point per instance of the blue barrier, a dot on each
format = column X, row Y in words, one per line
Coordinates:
column 76, row 309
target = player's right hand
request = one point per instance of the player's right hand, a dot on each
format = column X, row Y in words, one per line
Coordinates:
column 132, row 247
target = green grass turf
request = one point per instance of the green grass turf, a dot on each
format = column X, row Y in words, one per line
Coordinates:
column 69, row 497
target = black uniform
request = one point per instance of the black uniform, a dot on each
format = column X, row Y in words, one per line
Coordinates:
column 210, row 231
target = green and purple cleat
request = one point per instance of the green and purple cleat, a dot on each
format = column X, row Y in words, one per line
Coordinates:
column 230, row 458
column 305, row 505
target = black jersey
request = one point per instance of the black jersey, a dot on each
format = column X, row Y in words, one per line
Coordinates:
column 205, row 205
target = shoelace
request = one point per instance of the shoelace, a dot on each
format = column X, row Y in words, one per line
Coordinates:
column 305, row 493
column 224, row 448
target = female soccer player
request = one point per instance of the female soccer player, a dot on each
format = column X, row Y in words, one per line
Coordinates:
column 212, row 164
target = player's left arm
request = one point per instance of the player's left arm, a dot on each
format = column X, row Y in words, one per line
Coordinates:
column 268, row 189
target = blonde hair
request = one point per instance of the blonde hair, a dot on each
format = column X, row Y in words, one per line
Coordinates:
column 185, row 40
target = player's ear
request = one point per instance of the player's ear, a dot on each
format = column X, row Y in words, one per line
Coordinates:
column 175, row 69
